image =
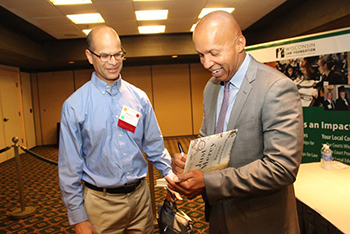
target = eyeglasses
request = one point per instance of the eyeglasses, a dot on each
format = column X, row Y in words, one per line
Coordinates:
column 107, row 57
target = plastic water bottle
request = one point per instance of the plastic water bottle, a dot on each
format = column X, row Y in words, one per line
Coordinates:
column 326, row 157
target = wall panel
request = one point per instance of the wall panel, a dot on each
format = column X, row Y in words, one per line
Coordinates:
column 176, row 92
column 28, row 113
column 54, row 88
column 36, row 109
column 140, row 76
column 172, row 99
column 81, row 77
column 199, row 78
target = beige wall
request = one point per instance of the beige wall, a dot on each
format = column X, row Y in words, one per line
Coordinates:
column 172, row 103
column 175, row 91
column 199, row 78
column 141, row 77
column 53, row 89
column 36, row 108
column 28, row 113
column 81, row 77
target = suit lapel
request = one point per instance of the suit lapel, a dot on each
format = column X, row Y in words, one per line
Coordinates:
column 213, row 108
column 243, row 94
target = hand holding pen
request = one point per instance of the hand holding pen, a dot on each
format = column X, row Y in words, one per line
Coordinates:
column 178, row 161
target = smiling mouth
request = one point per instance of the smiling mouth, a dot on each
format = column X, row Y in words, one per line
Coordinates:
column 216, row 71
column 112, row 69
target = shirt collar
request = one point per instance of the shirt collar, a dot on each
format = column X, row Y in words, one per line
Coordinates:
column 104, row 87
column 237, row 79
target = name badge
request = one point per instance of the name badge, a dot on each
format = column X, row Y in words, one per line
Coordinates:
column 128, row 119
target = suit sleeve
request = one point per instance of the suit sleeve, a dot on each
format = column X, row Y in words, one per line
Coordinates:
column 277, row 164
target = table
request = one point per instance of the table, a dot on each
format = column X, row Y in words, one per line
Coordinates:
column 327, row 192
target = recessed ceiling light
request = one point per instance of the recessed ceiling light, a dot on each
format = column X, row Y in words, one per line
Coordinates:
column 193, row 27
column 70, row 2
column 86, row 18
column 152, row 29
column 208, row 10
column 152, row 15
column 174, row 56
column 87, row 31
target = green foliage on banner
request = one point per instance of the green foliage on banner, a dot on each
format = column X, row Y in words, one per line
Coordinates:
column 331, row 127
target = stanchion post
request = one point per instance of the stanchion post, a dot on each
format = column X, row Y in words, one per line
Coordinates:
column 24, row 211
column 151, row 187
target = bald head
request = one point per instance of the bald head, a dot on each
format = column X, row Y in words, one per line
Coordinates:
column 103, row 46
column 221, row 23
column 100, row 33
column 220, row 44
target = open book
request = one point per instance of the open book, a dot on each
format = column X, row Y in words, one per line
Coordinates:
column 207, row 153
column 211, row 152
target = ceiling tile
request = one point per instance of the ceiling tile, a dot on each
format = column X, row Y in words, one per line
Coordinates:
column 77, row 9
column 111, row 8
column 125, row 28
column 120, row 14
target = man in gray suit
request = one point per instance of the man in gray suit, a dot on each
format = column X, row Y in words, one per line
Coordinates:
column 255, row 193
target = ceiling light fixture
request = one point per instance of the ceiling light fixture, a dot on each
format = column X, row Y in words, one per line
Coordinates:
column 151, row 15
column 86, row 18
column 193, row 27
column 70, row 2
column 87, row 31
column 151, row 29
column 206, row 11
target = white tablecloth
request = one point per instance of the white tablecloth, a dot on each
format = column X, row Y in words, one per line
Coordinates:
column 326, row 191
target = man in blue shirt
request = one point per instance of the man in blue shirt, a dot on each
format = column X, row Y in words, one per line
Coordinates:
column 105, row 127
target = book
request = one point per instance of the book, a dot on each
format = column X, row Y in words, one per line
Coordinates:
column 211, row 152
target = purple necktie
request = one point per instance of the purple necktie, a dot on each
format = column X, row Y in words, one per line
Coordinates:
column 223, row 110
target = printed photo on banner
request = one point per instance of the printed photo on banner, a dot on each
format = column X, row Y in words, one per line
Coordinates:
column 321, row 80
column 337, row 97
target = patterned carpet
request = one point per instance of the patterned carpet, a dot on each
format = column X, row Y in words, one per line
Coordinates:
column 41, row 190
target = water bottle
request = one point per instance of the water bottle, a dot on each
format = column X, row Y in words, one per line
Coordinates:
column 326, row 157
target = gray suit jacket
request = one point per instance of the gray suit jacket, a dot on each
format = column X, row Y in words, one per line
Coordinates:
column 255, row 194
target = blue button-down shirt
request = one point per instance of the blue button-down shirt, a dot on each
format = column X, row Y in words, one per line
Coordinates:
column 235, row 85
column 93, row 148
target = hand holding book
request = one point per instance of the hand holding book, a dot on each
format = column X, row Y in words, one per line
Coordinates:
column 211, row 152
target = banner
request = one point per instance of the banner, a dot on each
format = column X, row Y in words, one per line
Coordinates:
column 322, row 127
column 318, row 64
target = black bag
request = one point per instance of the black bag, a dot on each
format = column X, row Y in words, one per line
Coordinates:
column 172, row 220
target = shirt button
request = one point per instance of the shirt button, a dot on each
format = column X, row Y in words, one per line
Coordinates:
column 103, row 92
column 116, row 116
column 113, row 97
column 124, row 154
column 120, row 135
column 128, row 173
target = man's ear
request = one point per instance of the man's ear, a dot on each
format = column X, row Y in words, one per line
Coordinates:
column 89, row 56
column 241, row 42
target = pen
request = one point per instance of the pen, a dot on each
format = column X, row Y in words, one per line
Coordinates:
column 180, row 148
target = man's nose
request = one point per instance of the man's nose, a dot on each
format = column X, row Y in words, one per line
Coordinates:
column 207, row 62
column 113, row 60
